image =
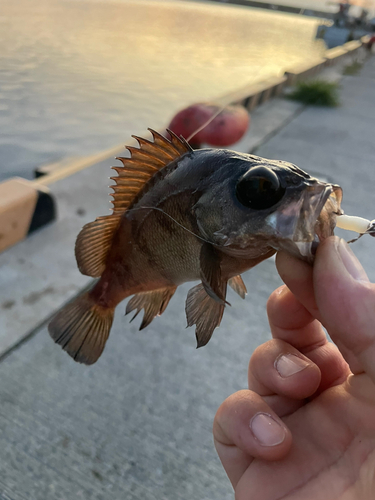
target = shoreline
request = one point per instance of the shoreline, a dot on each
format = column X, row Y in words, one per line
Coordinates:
column 277, row 7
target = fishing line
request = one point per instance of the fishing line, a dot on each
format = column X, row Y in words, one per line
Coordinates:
column 206, row 123
column 174, row 220
column 220, row 110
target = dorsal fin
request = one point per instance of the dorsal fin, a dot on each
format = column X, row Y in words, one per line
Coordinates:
column 95, row 239
column 143, row 163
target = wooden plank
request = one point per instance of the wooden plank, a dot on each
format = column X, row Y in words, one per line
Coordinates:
column 18, row 199
column 78, row 164
column 28, row 205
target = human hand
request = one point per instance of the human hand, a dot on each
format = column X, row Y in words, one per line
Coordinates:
column 305, row 429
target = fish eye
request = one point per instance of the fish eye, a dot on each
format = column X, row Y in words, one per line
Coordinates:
column 259, row 189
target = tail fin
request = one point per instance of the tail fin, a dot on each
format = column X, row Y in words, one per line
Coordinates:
column 82, row 328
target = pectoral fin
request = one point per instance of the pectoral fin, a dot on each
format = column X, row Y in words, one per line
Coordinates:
column 204, row 311
column 237, row 284
column 154, row 304
column 93, row 244
column 211, row 273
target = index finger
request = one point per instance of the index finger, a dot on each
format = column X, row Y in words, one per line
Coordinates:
column 298, row 276
column 292, row 318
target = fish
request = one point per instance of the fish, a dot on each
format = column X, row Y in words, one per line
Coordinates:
column 182, row 215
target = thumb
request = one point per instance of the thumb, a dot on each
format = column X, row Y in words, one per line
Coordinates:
column 346, row 300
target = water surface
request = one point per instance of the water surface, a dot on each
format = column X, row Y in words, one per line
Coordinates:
column 80, row 76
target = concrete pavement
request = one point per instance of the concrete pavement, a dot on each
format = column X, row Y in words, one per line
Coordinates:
column 33, row 288
column 138, row 423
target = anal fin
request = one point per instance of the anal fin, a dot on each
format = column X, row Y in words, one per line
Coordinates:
column 237, row 284
column 204, row 312
column 154, row 304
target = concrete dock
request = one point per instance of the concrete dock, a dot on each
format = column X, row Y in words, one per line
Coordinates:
column 137, row 425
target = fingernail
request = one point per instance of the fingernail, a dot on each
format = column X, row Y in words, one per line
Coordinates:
column 289, row 364
column 350, row 261
column 266, row 430
column 282, row 289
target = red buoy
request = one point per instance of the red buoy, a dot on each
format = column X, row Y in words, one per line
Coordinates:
column 225, row 129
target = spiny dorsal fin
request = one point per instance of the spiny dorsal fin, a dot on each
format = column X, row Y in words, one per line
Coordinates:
column 94, row 241
column 143, row 164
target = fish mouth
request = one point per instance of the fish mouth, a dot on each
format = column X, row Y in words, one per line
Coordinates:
column 305, row 223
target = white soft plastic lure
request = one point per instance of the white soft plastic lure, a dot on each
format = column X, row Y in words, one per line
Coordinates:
column 357, row 224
